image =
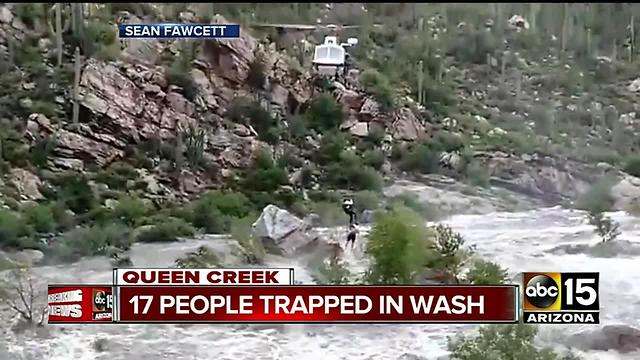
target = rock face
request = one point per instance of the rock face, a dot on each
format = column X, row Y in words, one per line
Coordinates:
column 621, row 338
column 26, row 183
column 282, row 232
column 626, row 192
column 543, row 178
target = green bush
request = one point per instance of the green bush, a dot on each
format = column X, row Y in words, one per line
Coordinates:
column 129, row 209
column 179, row 73
column 397, row 246
column 502, row 342
column 30, row 13
column 40, row 217
column 486, row 273
column 74, row 190
column 249, row 112
column 379, row 86
column 408, row 200
column 41, row 150
column 214, row 210
column 167, row 231
column 263, row 174
column 332, row 272
column 252, row 249
column 597, row 198
column 367, row 200
column 418, row 157
column 331, row 147
column 12, row 228
column 91, row 241
column 477, row 174
column 448, row 253
column 324, row 113
column 632, row 166
column 330, row 213
column 374, row 158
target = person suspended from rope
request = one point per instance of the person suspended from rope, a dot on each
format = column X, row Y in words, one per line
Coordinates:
column 351, row 236
column 349, row 209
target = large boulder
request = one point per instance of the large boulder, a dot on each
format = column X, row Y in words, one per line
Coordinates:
column 541, row 177
column 26, row 183
column 621, row 338
column 626, row 192
column 282, row 232
column 407, row 127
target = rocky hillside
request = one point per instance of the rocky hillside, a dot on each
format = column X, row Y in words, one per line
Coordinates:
column 94, row 128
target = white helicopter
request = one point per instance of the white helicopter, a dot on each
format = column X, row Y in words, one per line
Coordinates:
column 331, row 58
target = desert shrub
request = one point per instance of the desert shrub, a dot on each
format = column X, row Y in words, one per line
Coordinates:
column 40, row 217
column 418, row 157
column 397, row 246
column 448, row 253
column 249, row 112
column 74, row 190
column 350, row 173
column 179, row 73
column 167, row 231
column 13, row 231
column 428, row 211
column 29, row 13
column 484, row 272
column 331, row 147
column 477, row 175
column 367, row 200
column 597, row 198
column 374, row 158
column 129, row 209
column 502, row 342
column 203, row 257
column 330, row 213
column 41, row 150
column 214, row 210
column 117, row 175
column 91, row 241
column 332, row 272
column 379, row 86
column 632, row 165
column 324, row 113
column 474, row 45
column 252, row 249
column 263, row 175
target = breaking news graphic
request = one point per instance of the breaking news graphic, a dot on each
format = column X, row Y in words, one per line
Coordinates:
column 80, row 303
column 270, row 296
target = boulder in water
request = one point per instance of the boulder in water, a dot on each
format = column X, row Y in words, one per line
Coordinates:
column 621, row 338
column 282, row 232
column 607, row 249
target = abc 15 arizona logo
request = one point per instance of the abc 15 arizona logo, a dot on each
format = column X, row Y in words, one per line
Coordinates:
column 561, row 298
column 102, row 304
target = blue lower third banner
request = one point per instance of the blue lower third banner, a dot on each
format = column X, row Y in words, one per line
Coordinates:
column 179, row 31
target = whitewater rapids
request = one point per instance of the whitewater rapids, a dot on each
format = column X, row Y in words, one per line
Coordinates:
column 518, row 241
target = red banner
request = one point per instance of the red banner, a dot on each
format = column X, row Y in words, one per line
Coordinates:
column 80, row 303
column 302, row 303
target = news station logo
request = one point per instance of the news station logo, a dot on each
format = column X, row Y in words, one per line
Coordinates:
column 561, row 298
column 102, row 305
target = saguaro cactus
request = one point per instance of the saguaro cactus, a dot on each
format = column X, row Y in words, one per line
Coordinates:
column 59, row 28
column 76, row 87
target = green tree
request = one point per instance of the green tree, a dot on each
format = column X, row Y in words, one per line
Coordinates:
column 398, row 247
